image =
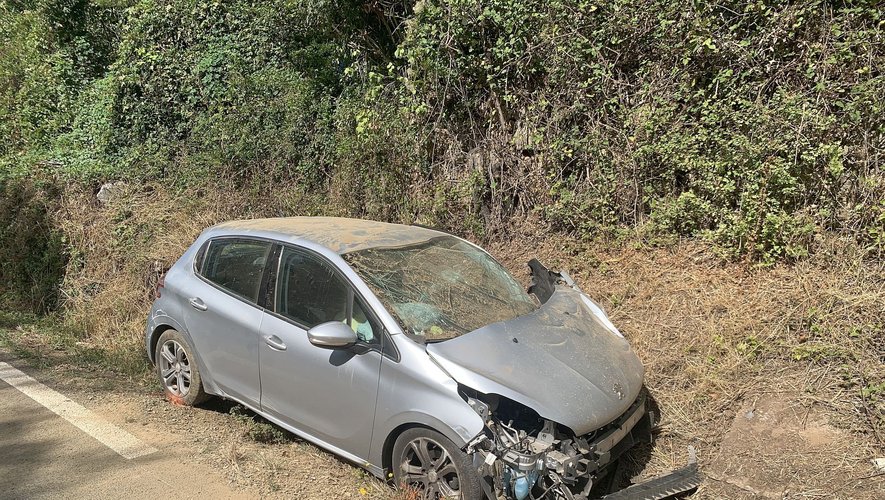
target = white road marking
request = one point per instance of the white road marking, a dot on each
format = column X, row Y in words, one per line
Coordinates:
column 115, row 438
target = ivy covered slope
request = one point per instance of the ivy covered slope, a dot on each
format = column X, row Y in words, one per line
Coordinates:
column 754, row 125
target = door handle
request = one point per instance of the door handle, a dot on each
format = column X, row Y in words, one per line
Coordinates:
column 198, row 304
column 274, row 342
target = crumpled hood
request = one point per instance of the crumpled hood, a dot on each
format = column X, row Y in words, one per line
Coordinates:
column 559, row 360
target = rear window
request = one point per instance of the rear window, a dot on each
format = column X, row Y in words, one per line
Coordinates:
column 236, row 265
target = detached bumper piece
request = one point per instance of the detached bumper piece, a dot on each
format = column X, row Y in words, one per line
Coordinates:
column 679, row 481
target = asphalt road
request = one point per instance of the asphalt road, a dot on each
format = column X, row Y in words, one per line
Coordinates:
column 42, row 455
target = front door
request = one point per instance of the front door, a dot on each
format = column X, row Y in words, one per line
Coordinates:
column 326, row 393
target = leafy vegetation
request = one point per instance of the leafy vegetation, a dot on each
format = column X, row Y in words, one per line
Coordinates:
column 580, row 129
column 754, row 125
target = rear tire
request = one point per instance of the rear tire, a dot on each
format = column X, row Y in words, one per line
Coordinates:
column 177, row 370
column 429, row 462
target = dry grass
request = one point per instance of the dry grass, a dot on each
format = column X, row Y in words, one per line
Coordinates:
column 122, row 248
column 803, row 344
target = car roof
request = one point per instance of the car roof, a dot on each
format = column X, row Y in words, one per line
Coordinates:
column 339, row 234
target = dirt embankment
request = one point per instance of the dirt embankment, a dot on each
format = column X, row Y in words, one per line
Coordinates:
column 775, row 375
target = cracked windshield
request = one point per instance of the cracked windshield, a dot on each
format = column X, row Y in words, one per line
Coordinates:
column 441, row 288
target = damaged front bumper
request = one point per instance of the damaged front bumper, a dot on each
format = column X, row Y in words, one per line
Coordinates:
column 679, row 481
column 554, row 465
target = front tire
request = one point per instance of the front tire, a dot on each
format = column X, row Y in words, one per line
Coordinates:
column 429, row 462
column 177, row 369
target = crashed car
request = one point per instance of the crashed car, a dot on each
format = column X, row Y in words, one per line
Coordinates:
column 409, row 352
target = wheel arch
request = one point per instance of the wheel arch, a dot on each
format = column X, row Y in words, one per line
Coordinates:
column 387, row 448
column 160, row 323
column 158, row 332
column 163, row 325
column 458, row 435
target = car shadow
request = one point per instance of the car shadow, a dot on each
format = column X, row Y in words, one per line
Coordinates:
column 255, row 427
column 635, row 460
column 218, row 405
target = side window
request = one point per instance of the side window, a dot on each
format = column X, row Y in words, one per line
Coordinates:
column 308, row 291
column 237, row 265
column 201, row 254
column 363, row 325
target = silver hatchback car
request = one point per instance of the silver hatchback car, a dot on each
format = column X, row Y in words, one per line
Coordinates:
column 407, row 351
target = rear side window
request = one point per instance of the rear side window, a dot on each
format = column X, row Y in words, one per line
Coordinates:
column 236, row 265
column 201, row 254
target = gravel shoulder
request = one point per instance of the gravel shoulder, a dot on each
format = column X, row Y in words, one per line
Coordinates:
column 209, row 451
column 45, row 456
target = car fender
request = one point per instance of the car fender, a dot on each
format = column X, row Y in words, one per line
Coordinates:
column 458, row 429
column 415, row 391
column 156, row 321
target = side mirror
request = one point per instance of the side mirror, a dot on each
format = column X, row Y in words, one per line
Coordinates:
column 332, row 334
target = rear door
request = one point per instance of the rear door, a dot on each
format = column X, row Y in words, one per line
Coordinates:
column 222, row 314
column 326, row 393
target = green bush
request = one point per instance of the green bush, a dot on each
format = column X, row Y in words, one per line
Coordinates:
column 754, row 125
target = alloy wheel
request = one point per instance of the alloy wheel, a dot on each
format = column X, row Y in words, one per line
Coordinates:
column 175, row 368
column 427, row 466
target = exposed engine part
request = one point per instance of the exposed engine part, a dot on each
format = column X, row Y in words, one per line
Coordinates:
column 527, row 457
